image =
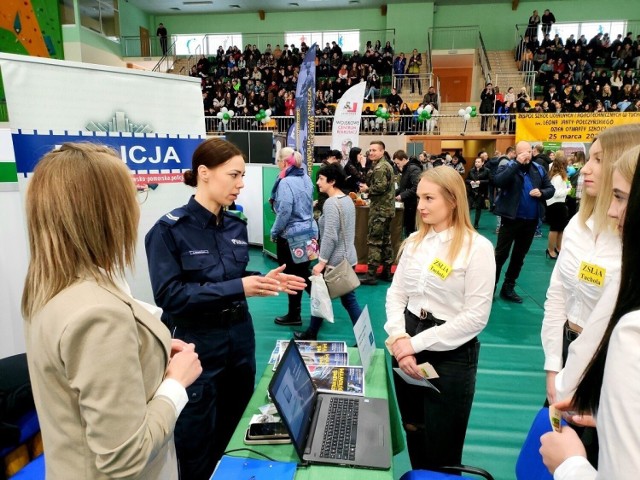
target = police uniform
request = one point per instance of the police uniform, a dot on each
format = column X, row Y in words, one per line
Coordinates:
column 196, row 265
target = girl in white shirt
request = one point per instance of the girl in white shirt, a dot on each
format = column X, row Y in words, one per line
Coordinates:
column 438, row 303
column 609, row 387
column 590, row 257
column 557, row 212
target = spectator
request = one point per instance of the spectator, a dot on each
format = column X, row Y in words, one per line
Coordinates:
column 487, row 101
column 431, row 97
column 477, row 185
column 356, row 169
column 547, row 20
column 399, row 68
column 406, row 192
column 394, row 98
column 161, row 33
column 532, row 27
column 557, row 215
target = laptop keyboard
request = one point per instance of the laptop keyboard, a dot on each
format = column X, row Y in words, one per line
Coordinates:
column 341, row 430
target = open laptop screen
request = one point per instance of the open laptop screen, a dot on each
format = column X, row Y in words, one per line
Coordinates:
column 294, row 394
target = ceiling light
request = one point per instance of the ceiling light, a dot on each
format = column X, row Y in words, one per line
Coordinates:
column 234, row 6
column 198, row 2
column 294, row 4
column 174, row 8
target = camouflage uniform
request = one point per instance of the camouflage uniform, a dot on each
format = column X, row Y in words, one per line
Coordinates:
column 380, row 181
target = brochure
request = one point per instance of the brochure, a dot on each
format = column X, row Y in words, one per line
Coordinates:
column 331, row 379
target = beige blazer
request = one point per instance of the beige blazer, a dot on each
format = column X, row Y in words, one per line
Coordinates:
column 96, row 358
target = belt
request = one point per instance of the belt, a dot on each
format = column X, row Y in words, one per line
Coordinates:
column 224, row 318
column 569, row 332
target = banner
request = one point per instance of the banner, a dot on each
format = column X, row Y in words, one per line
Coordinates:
column 306, row 107
column 568, row 127
column 154, row 121
column 346, row 121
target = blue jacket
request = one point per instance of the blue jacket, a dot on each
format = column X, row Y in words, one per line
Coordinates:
column 510, row 179
column 196, row 264
column 293, row 205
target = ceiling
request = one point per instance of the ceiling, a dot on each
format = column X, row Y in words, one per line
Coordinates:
column 164, row 7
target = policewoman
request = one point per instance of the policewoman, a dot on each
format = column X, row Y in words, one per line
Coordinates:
column 198, row 256
column 438, row 303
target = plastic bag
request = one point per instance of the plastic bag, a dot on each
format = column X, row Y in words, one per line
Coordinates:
column 320, row 300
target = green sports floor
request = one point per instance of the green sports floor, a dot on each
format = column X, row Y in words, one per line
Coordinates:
column 510, row 386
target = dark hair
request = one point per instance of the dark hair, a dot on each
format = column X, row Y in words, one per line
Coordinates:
column 400, row 155
column 378, row 142
column 587, row 396
column 510, row 149
column 353, row 154
column 335, row 153
column 334, row 173
column 211, row 153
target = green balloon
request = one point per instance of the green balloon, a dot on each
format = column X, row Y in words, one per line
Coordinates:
column 226, row 116
column 473, row 108
column 262, row 112
column 473, row 113
column 427, row 115
column 386, row 116
column 258, row 116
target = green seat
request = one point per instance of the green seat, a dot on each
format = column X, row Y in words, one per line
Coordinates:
column 386, row 91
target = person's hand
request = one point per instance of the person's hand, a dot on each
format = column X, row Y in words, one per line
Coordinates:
column 409, row 365
column 364, row 187
column 398, row 199
column 582, row 420
column 402, row 348
column 319, row 268
column 290, row 284
column 536, row 193
column 522, row 157
column 558, row 446
column 184, row 367
column 315, row 203
column 178, row 345
column 258, row 286
column 551, row 386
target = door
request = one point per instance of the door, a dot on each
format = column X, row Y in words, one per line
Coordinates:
column 145, row 45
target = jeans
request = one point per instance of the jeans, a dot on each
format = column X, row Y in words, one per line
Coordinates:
column 440, row 419
column 217, row 398
column 519, row 233
column 350, row 304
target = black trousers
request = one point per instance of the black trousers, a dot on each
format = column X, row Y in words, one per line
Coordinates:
column 300, row 269
column 218, row 397
column 441, row 418
column 519, row 234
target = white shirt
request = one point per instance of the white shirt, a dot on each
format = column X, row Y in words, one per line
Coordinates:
column 570, row 298
column 561, row 192
column 463, row 299
column 618, row 414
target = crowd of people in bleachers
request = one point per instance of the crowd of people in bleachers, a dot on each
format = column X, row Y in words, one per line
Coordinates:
column 583, row 75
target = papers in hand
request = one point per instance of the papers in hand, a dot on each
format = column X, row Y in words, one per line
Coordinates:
column 427, row 372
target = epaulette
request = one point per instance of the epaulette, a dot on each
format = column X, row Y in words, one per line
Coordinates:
column 236, row 214
column 173, row 216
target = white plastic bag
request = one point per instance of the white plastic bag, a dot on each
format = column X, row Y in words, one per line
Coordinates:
column 320, row 299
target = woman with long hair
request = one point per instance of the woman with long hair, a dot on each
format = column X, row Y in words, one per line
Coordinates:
column 356, row 169
column 607, row 389
column 438, row 303
column 557, row 213
column 108, row 381
column 337, row 236
column 198, row 256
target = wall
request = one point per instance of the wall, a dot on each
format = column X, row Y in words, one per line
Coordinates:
column 132, row 18
column 84, row 45
column 412, row 23
column 497, row 20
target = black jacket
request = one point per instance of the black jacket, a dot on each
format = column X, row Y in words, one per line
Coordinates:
column 409, row 184
column 474, row 175
column 510, row 179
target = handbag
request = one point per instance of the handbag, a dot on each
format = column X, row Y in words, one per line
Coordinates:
column 304, row 246
column 341, row 279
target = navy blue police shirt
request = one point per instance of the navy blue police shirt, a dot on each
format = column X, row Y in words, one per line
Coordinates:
column 196, row 263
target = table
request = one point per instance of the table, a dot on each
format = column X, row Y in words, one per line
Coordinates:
column 379, row 384
column 362, row 233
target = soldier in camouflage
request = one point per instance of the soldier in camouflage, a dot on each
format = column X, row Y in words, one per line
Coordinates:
column 381, row 189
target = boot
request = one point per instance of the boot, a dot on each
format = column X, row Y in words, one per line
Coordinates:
column 508, row 293
column 370, row 278
column 291, row 319
column 386, row 275
column 306, row 335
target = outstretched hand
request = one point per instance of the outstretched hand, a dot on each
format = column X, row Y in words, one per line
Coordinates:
column 290, row 284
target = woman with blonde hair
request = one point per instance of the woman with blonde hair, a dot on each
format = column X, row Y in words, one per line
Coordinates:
column 557, row 212
column 590, row 244
column 438, row 303
column 108, row 382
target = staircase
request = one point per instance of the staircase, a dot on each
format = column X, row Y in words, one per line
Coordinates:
column 180, row 66
column 416, row 97
column 504, row 71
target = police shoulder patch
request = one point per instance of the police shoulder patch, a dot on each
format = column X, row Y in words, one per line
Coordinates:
column 173, row 216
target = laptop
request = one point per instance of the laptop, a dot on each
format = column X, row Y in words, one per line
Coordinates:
column 316, row 421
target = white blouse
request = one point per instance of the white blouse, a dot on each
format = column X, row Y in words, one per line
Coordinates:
column 618, row 416
column 561, row 192
column 572, row 294
column 462, row 299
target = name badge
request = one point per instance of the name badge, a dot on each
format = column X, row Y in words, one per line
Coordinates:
column 592, row 274
column 440, row 269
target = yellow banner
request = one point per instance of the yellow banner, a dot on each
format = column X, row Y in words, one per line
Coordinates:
column 568, row 127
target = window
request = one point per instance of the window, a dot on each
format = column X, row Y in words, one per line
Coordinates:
column 101, row 16
column 588, row 29
column 347, row 41
column 205, row 44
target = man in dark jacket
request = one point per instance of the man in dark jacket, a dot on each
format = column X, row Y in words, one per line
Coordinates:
column 477, row 186
column 406, row 192
column 524, row 188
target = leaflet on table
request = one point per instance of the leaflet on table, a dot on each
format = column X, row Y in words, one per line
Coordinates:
column 332, row 379
column 306, row 346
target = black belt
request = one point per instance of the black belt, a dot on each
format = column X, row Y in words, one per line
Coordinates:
column 224, row 318
column 570, row 334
